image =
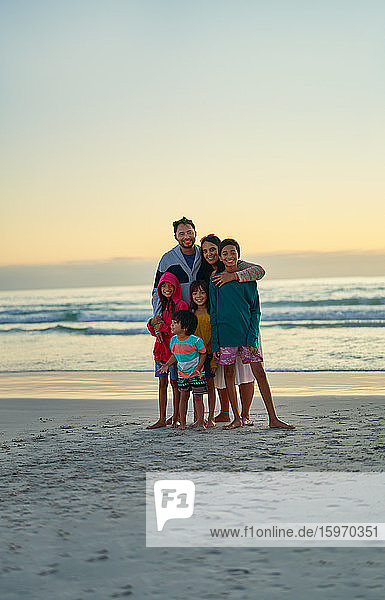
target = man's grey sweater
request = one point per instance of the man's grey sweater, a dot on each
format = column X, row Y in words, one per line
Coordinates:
column 174, row 262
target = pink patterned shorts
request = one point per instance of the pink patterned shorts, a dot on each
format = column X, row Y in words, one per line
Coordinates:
column 229, row 354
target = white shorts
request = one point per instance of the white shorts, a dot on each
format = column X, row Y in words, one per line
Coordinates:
column 243, row 374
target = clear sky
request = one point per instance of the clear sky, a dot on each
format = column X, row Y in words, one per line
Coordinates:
column 260, row 120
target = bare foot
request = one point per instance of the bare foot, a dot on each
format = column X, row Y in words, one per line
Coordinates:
column 210, row 423
column 175, row 424
column 192, row 425
column 181, row 426
column 200, row 426
column 157, row 424
column 277, row 423
column 234, row 424
column 222, row 417
column 247, row 421
column 169, row 421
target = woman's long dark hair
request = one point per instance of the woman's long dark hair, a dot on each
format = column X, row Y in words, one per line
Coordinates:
column 206, row 270
column 194, row 287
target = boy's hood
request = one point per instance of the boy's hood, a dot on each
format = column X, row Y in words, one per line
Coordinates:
column 170, row 278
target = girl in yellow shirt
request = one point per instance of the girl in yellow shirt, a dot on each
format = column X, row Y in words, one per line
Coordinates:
column 201, row 308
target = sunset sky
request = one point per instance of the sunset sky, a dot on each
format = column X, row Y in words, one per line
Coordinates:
column 260, row 120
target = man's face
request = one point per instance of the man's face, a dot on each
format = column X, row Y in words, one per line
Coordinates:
column 185, row 235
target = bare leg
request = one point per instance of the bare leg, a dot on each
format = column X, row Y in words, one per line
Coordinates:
column 232, row 392
column 224, row 415
column 163, row 383
column 183, row 409
column 211, row 402
column 246, row 391
column 195, row 415
column 176, row 401
column 264, row 388
column 200, row 411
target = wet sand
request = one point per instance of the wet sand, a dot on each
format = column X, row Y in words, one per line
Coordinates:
column 73, row 488
column 142, row 385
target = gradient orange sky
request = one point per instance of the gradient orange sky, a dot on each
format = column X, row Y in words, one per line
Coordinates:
column 262, row 121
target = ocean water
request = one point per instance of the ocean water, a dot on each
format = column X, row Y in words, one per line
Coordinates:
column 307, row 325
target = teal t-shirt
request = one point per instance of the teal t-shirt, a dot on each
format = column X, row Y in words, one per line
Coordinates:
column 235, row 314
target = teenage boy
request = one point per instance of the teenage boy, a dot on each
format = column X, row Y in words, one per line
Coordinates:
column 235, row 314
column 189, row 352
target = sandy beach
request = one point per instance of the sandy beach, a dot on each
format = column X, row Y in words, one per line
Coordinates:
column 218, row 157
column 74, row 453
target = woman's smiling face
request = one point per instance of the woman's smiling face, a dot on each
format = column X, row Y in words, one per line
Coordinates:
column 210, row 253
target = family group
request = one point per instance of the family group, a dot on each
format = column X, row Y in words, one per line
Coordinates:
column 206, row 324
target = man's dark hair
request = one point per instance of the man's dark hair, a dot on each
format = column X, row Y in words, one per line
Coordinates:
column 229, row 242
column 183, row 221
column 187, row 320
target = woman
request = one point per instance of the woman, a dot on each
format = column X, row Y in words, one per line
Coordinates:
column 212, row 267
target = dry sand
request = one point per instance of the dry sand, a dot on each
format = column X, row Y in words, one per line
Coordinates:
column 73, row 487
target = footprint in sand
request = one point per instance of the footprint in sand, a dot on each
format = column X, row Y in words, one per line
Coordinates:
column 51, row 571
column 63, row 534
column 126, row 591
column 94, row 558
column 103, row 555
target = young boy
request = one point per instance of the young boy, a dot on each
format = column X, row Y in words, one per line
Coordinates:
column 235, row 314
column 189, row 352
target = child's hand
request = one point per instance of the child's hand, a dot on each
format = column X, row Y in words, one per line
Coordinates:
column 163, row 369
column 217, row 355
column 197, row 373
column 155, row 322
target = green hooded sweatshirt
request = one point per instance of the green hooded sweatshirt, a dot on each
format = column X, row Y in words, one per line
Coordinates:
column 235, row 314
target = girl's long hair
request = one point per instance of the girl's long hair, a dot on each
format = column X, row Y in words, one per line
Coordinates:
column 194, row 287
column 206, row 270
column 166, row 302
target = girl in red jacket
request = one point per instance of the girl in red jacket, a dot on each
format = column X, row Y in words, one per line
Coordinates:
column 170, row 296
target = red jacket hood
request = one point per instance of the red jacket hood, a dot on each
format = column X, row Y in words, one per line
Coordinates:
column 171, row 278
column 162, row 349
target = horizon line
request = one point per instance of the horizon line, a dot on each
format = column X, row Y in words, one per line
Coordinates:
column 151, row 259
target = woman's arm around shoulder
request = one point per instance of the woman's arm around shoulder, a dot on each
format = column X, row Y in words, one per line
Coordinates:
column 249, row 271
